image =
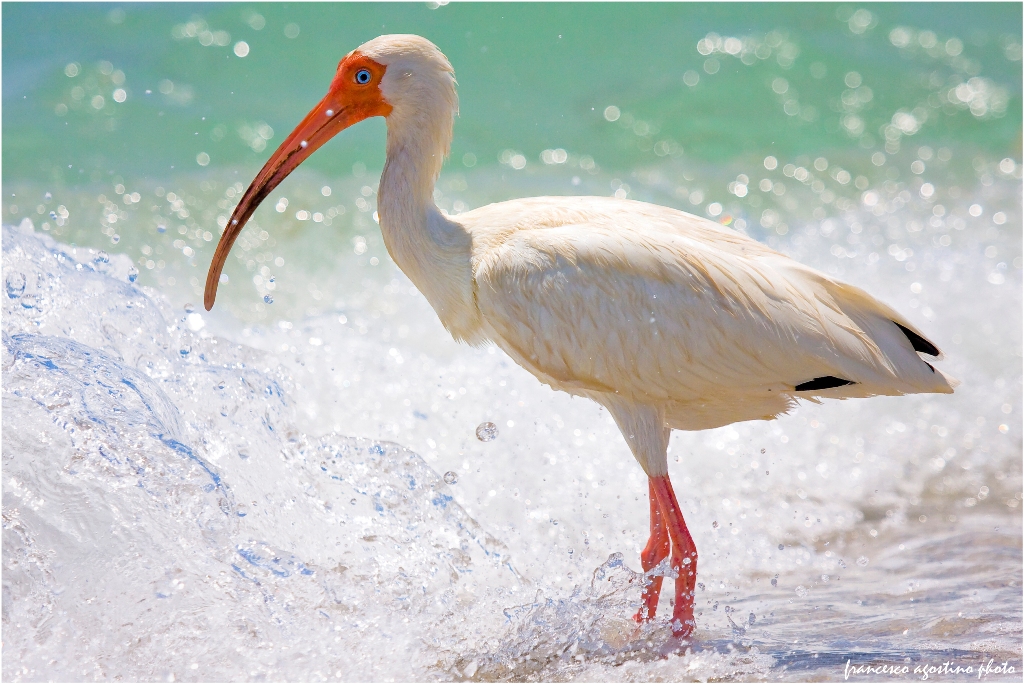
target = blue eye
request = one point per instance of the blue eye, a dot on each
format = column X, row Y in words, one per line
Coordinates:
column 363, row 76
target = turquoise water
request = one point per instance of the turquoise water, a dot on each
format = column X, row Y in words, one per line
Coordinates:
column 796, row 82
column 880, row 143
column 531, row 77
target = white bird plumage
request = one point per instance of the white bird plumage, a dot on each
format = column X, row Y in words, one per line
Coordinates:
column 666, row 319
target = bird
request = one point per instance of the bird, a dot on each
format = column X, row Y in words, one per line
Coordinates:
column 666, row 319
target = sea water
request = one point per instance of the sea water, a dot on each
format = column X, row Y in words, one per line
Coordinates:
column 292, row 487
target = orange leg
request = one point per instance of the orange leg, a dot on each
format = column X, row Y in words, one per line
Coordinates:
column 657, row 550
column 684, row 555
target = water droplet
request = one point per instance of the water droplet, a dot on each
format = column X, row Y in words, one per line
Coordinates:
column 762, row 451
column 842, row 563
column 115, row 238
column 47, row 197
column 133, row 274
column 268, row 299
column 801, row 590
column 161, row 229
column 101, row 258
column 353, row 502
column 190, row 307
column 862, row 561
column 781, row 547
column 272, row 279
column 486, row 432
column 775, row 581
column 15, row 284
column 450, row 477
column 752, row 619
column 186, row 350
column 53, row 216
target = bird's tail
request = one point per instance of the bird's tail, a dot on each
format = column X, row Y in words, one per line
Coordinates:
column 897, row 340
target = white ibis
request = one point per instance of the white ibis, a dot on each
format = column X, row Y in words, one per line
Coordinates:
column 668, row 320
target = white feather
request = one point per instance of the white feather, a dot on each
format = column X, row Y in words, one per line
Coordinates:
column 667, row 319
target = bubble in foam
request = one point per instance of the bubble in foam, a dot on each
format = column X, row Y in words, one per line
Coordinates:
column 486, row 432
column 15, row 284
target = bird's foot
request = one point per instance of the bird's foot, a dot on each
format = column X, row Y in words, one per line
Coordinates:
column 649, row 600
column 682, row 618
column 645, row 614
column 681, row 629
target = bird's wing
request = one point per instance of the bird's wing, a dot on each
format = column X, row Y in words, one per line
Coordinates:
column 494, row 222
column 661, row 308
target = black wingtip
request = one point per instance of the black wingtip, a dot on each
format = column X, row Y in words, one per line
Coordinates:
column 919, row 343
column 824, row 382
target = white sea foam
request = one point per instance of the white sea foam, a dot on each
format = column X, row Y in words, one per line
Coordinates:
column 186, row 497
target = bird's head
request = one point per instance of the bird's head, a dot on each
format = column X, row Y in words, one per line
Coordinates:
column 403, row 78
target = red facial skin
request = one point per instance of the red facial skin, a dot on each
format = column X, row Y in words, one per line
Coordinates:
column 348, row 102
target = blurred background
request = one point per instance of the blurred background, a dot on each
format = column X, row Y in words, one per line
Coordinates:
column 880, row 143
column 641, row 100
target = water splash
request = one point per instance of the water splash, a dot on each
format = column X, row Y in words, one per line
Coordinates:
column 112, row 459
column 487, row 432
column 223, row 507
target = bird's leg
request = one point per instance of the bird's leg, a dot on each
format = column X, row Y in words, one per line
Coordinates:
column 643, row 427
column 684, row 555
column 656, row 550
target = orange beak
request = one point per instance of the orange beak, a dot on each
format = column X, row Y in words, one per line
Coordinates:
column 347, row 102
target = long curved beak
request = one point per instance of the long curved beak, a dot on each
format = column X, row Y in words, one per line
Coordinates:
column 332, row 115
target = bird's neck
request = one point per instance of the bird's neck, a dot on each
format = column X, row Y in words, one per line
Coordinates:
column 433, row 250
